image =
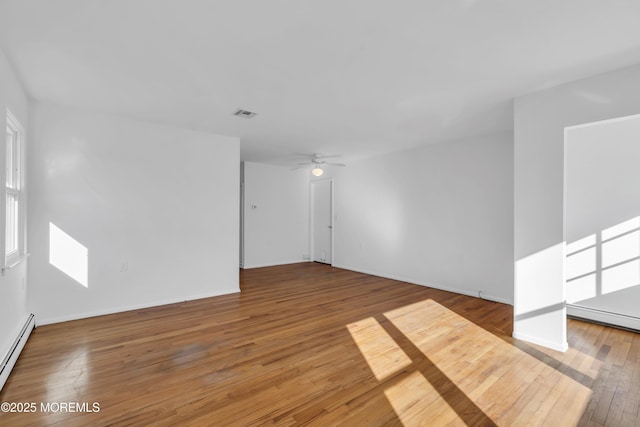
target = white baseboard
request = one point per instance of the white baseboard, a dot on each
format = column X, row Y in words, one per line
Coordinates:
column 77, row 316
column 476, row 294
column 11, row 357
column 494, row 298
column 536, row 340
column 273, row 264
column 604, row 316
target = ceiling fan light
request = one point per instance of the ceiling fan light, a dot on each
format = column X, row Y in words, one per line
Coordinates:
column 317, row 171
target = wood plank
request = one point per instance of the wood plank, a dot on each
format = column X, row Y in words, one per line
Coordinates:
column 315, row 345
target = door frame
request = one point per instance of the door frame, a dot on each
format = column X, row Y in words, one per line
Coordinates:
column 312, row 219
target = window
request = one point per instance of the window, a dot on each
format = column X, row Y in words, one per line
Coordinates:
column 14, row 192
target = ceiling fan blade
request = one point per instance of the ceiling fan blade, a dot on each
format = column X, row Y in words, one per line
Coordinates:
column 325, row 156
column 316, row 155
column 299, row 167
column 317, row 160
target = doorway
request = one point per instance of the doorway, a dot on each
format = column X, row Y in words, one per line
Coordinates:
column 322, row 221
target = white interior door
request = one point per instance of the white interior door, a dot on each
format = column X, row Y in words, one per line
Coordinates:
column 322, row 221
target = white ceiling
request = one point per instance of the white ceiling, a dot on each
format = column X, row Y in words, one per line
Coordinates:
column 355, row 77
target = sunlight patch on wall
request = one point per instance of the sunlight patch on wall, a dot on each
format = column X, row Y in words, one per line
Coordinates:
column 581, row 263
column 581, row 266
column 68, row 255
column 534, row 293
column 621, row 277
column 621, row 228
column 582, row 288
column 620, row 249
column 380, row 351
column 605, row 262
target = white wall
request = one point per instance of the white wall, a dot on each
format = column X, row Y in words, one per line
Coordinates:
column 539, row 123
column 276, row 215
column 163, row 200
column 13, row 306
column 440, row 216
column 602, row 218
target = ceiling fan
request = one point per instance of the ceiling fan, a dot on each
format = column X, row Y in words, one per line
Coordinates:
column 317, row 160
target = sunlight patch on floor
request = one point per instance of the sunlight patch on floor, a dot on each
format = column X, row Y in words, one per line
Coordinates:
column 491, row 372
column 416, row 402
column 381, row 352
column 508, row 385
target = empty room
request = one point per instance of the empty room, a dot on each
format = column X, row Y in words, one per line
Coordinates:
column 357, row 213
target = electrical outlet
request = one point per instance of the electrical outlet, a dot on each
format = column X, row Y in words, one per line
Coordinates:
column 306, row 256
column 124, row 266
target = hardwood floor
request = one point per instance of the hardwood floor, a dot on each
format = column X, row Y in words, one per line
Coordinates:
column 311, row 344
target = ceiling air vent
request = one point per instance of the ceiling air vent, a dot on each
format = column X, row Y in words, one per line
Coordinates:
column 244, row 113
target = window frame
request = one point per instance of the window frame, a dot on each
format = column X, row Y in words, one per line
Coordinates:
column 14, row 253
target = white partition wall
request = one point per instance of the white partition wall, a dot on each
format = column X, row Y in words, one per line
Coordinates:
column 540, row 120
column 127, row 214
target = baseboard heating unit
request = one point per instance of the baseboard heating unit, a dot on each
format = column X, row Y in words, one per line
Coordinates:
column 617, row 320
column 14, row 351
